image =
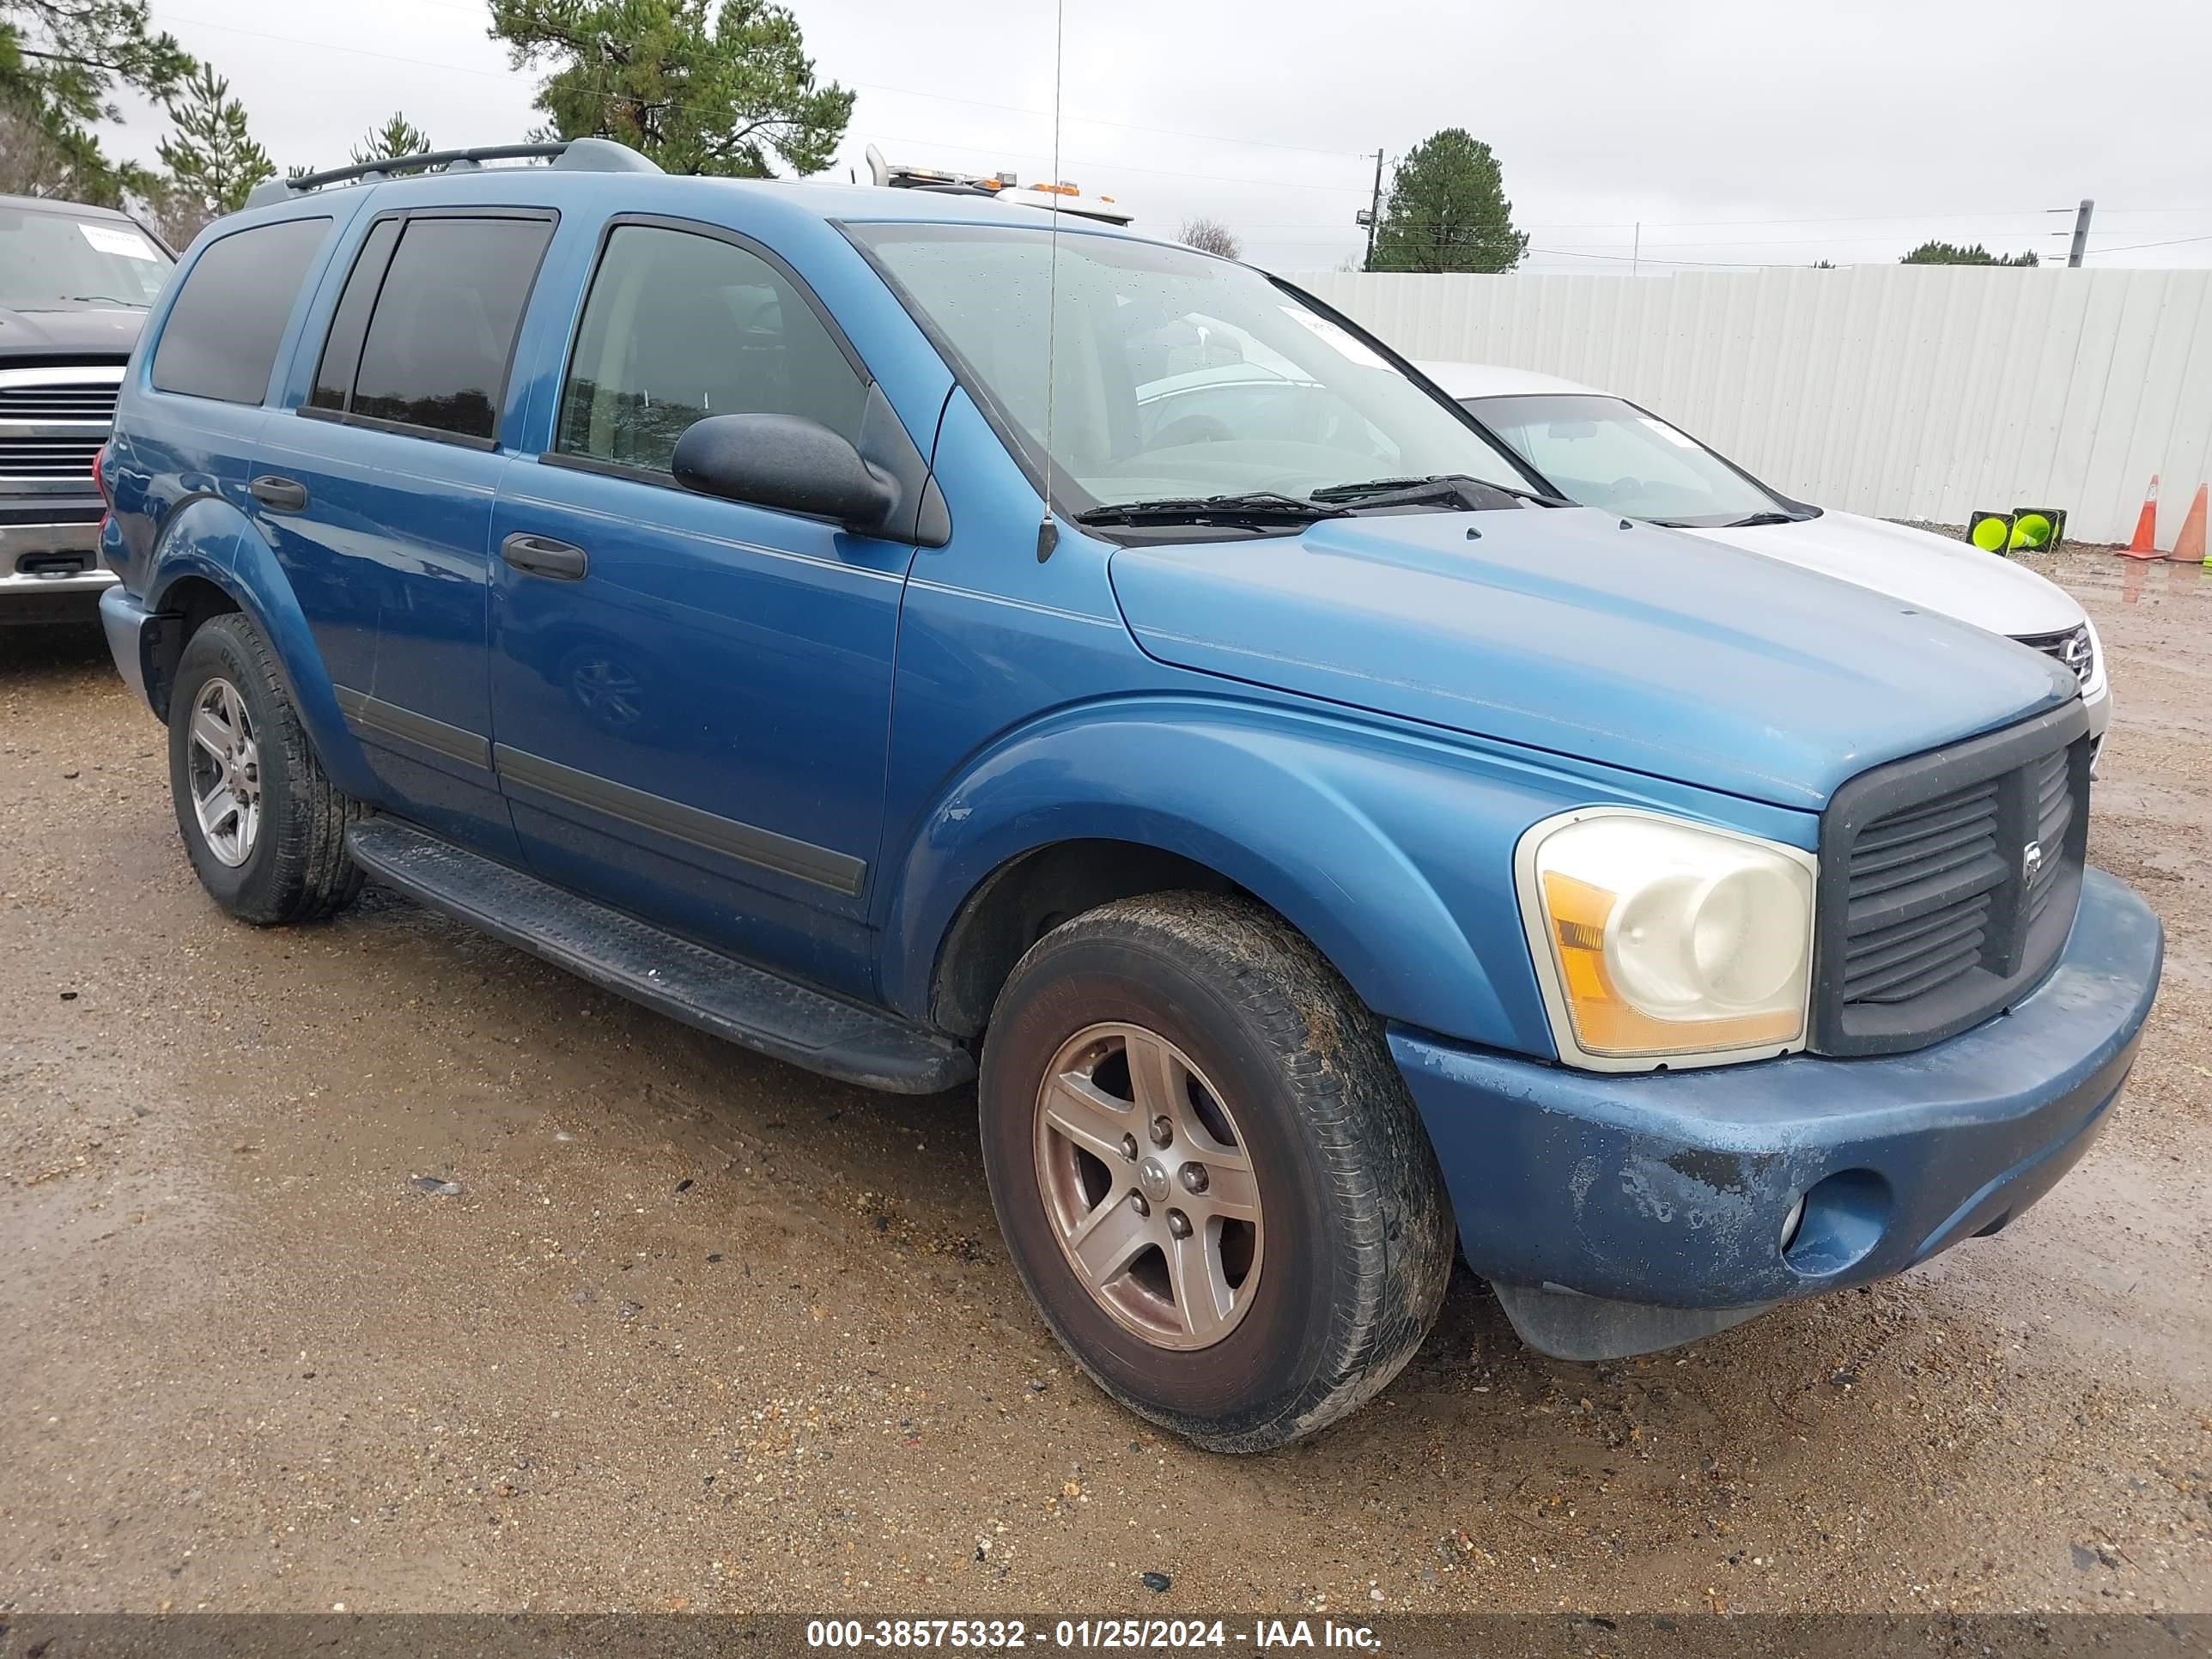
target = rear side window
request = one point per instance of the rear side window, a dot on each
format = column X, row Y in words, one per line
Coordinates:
column 220, row 340
column 427, row 347
column 679, row 327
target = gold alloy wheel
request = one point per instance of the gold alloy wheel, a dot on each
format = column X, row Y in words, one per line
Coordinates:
column 1149, row 1186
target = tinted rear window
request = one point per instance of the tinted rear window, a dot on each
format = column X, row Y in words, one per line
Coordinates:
column 220, row 340
column 438, row 345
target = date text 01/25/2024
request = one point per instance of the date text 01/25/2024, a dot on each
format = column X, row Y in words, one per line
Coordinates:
column 1005, row 1635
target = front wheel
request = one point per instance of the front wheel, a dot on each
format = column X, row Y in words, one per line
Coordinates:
column 1208, row 1171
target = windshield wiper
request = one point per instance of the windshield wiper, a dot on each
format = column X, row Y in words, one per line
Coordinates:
column 1757, row 519
column 1462, row 487
column 1259, row 507
column 107, row 299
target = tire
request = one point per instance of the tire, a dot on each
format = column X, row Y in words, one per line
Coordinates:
column 290, row 863
column 1276, row 1326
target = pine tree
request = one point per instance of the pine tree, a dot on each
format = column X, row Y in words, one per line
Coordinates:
column 1951, row 253
column 700, row 86
column 397, row 137
column 212, row 161
column 61, row 62
column 1448, row 211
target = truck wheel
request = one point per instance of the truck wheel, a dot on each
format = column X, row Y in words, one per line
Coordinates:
column 264, row 826
column 1208, row 1171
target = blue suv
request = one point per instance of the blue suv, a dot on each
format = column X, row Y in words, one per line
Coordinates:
column 924, row 640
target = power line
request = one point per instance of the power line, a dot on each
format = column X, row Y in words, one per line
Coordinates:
column 2171, row 241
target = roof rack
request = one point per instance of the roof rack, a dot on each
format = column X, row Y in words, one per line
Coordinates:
column 575, row 155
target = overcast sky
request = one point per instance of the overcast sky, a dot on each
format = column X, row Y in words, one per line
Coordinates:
column 1738, row 131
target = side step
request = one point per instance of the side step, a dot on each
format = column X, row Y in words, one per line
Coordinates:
column 687, row 981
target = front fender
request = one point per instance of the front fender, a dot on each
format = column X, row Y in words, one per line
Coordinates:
column 208, row 538
column 1392, row 851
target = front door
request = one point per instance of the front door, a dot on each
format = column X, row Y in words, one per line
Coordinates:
column 691, row 697
column 378, row 492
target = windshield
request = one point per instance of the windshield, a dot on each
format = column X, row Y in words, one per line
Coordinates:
column 1177, row 378
column 55, row 261
column 1603, row 451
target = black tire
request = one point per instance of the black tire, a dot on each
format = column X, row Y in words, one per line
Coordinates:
column 1359, row 1236
column 297, row 868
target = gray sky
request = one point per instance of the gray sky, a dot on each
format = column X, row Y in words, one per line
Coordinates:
column 1738, row 131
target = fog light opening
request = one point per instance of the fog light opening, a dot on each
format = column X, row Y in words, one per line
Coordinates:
column 1839, row 1222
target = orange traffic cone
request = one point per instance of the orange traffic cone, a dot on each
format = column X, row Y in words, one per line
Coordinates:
column 2145, row 544
column 2189, row 545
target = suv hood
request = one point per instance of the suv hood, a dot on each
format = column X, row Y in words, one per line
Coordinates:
column 1932, row 572
column 103, row 335
column 1640, row 648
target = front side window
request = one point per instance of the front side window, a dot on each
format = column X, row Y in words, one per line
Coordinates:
column 1174, row 377
column 220, row 338
column 435, row 352
column 679, row 327
column 1605, row 453
column 54, row 260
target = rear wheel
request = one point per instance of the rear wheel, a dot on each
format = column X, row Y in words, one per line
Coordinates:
column 264, row 829
column 1208, row 1171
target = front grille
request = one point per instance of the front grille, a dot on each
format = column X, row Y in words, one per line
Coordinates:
column 1935, row 911
column 52, row 423
column 45, row 403
column 50, row 458
column 2072, row 648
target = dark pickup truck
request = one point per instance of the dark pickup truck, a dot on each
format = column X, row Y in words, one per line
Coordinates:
column 74, row 284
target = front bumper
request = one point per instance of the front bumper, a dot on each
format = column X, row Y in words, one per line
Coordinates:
column 1662, row 1200
column 41, row 560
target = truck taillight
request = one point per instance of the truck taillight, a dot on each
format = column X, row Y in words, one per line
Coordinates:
column 99, row 478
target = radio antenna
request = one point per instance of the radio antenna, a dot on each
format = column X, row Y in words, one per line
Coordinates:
column 1049, row 532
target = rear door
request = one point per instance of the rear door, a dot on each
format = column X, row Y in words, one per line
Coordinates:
column 377, row 491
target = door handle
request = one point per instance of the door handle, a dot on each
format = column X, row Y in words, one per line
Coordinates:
column 279, row 494
column 540, row 556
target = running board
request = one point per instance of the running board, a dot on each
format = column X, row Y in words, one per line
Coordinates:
column 717, row 993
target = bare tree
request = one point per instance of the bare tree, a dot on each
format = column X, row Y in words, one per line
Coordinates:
column 31, row 162
column 1210, row 236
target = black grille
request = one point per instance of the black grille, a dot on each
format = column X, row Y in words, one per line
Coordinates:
column 2072, row 648
column 1934, row 912
column 50, row 458
column 58, row 403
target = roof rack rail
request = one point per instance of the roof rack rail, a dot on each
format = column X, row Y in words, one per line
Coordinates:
column 574, row 155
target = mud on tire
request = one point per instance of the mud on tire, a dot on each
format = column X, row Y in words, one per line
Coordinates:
column 296, row 867
column 1353, row 1237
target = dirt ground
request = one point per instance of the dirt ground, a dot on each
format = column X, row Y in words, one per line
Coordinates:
column 699, row 1331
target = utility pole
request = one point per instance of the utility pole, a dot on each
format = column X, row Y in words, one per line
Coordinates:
column 1373, row 216
column 2081, row 243
column 2080, row 233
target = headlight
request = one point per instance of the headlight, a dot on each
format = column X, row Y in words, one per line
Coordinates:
column 2093, row 681
column 1661, row 941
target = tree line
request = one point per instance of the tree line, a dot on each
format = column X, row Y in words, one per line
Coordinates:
column 720, row 87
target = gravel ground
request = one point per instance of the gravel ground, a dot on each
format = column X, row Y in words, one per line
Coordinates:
column 698, row 1331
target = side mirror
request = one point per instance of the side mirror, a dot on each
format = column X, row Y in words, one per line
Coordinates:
column 785, row 462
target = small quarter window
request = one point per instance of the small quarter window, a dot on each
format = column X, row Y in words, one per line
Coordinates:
column 679, row 327
column 220, row 338
column 341, row 350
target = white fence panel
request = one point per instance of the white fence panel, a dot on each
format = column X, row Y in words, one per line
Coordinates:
column 1911, row 391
